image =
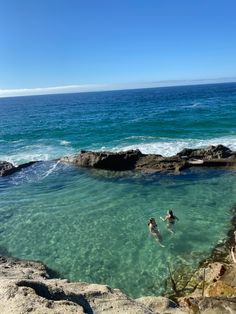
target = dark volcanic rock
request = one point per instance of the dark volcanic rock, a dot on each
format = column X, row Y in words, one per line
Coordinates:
column 211, row 152
column 25, row 165
column 6, row 168
column 106, row 160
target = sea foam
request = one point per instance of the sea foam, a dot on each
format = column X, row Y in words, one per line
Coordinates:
column 170, row 147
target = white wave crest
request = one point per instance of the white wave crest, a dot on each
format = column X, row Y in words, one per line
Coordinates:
column 170, row 147
column 36, row 152
column 64, row 143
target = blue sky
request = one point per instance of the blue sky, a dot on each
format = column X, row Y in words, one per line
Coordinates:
column 108, row 43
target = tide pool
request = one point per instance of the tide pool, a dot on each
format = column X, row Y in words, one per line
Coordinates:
column 92, row 225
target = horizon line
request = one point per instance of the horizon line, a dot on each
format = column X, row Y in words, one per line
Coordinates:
column 82, row 88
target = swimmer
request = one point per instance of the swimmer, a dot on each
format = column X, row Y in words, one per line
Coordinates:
column 154, row 231
column 170, row 218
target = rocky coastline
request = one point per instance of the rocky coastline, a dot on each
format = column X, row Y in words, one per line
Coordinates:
column 212, row 156
column 29, row 287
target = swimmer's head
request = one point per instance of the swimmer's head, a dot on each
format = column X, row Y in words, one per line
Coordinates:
column 151, row 220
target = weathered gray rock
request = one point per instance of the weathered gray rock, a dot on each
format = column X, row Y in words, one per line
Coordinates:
column 158, row 163
column 160, row 304
column 211, row 152
column 26, row 287
column 212, row 305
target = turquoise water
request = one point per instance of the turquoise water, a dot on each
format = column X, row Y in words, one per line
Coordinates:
column 92, row 225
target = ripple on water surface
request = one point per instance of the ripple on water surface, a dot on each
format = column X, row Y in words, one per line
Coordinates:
column 92, row 226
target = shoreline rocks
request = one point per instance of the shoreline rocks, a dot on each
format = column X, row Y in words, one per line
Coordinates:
column 26, row 287
column 212, row 156
column 212, row 287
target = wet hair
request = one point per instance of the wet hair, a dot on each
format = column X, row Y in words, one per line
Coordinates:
column 171, row 214
column 151, row 220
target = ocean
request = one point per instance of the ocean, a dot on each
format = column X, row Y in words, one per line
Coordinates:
column 91, row 225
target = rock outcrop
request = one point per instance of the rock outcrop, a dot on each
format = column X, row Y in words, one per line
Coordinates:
column 212, row 156
column 209, row 153
column 106, row 160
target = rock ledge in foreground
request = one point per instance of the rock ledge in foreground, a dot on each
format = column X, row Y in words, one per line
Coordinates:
column 25, row 287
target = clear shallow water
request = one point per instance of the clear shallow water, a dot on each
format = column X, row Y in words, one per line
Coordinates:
column 92, row 225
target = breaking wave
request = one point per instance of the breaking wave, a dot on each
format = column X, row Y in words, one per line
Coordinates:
column 170, row 147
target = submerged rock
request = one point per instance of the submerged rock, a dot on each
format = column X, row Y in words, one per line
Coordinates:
column 6, row 168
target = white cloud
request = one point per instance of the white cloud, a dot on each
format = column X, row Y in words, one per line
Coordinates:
column 48, row 90
column 104, row 87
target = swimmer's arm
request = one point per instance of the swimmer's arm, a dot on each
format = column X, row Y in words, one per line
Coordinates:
column 176, row 218
column 164, row 219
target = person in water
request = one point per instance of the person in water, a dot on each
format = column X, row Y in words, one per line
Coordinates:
column 154, row 231
column 170, row 218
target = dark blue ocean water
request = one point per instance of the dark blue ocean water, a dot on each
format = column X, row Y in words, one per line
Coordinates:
column 160, row 120
column 92, row 225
